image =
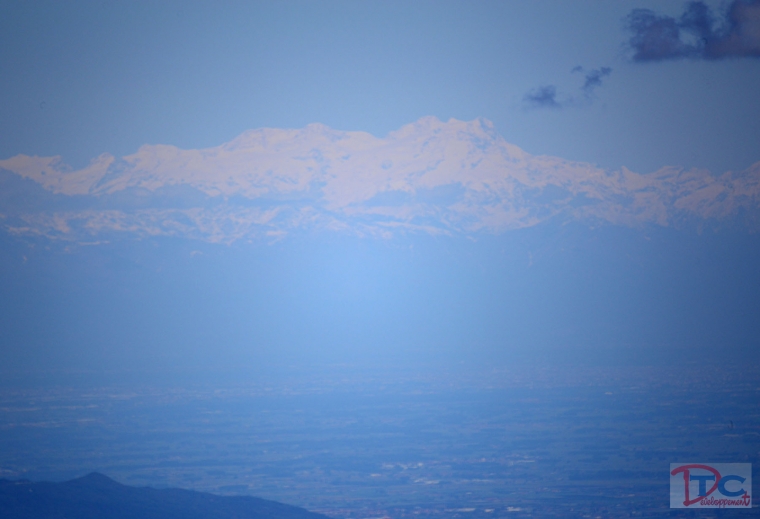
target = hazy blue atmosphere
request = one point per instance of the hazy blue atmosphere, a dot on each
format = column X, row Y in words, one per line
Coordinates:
column 301, row 250
column 82, row 80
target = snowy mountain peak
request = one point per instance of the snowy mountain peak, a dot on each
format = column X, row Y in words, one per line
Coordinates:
column 428, row 176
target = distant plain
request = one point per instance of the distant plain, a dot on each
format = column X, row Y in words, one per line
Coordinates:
column 517, row 442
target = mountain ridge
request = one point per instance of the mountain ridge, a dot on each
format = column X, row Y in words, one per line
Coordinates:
column 429, row 176
column 98, row 496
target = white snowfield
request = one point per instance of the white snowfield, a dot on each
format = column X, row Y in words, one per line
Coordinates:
column 430, row 176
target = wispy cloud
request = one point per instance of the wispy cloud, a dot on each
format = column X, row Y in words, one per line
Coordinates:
column 696, row 34
column 543, row 97
column 593, row 79
column 548, row 97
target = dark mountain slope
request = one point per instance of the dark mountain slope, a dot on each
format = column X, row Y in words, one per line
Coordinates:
column 97, row 497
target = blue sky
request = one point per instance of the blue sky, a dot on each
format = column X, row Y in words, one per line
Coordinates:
column 79, row 79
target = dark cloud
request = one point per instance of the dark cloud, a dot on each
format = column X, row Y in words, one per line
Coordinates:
column 547, row 97
column 697, row 33
column 593, row 78
column 543, row 97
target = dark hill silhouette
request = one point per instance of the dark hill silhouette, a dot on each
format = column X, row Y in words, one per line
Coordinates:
column 96, row 496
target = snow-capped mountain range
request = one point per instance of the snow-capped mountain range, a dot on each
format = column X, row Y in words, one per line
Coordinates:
column 429, row 176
